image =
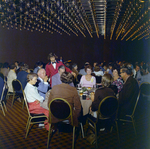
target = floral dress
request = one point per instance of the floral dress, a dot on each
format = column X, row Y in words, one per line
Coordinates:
column 118, row 83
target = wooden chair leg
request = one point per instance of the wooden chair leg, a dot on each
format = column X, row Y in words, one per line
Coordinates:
column 95, row 136
column 48, row 140
column 82, row 131
column 73, row 139
column 28, row 126
column 133, row 122
column 2, row 109
column 13, row 100
column 4, row 105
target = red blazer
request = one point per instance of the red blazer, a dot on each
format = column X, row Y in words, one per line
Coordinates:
column 50, row 71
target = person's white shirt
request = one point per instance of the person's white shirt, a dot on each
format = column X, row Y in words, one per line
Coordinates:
column 98, row 73
column 32, row 94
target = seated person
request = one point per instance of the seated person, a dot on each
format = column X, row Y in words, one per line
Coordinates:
column 69, row 93
column 22, row 75
column 5, row 69
column 33, row 97
column 128, row 94
column 56, row 78
column 42, row 84
column 88, row 80
column 75, row 70
column 39, row 65
column 97, row 71
column 117, row 80
column 11, row 76
column 101, row 93
column 82, row 71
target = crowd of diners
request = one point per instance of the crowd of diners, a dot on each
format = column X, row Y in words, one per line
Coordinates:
column 59, row 79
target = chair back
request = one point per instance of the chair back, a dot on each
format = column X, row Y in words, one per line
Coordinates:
column 136, row 103
column 79, row 77
column 2, row 86
column 2, row 76
column 145, row 88
column 17, row 86
column 60, row 109
column 108, row 107
column 98, row 79
column 25, row 100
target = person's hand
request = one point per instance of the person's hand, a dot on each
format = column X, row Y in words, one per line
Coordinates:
column 73, row 74
column 37, row 101
column 92, row 96
column 45, row 78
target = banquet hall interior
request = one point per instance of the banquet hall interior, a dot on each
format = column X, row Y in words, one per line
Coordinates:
column 80, row 31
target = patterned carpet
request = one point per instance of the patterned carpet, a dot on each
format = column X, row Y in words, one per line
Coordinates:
column 12, row 132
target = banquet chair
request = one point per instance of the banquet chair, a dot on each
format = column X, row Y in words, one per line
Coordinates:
column 60, row 109
column 3, row 93
column 32, row 118
column 2, row 76
column 17, row 87
column 130, row 118
column 107, row 111
column 145, row 89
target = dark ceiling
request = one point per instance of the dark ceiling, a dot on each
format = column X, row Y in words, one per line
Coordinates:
column 112, row 19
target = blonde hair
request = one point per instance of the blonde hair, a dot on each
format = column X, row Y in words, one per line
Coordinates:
column 106, row 80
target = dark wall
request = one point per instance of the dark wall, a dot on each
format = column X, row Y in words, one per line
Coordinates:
column 30, row 47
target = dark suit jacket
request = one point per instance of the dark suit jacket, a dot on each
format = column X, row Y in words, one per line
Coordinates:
column 71, row 95
column 22, row 77
column 127, row 97
column 99, row 95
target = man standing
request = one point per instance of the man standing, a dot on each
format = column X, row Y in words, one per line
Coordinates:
column 128, row 94
column 52, row 66
column 42, row 83
column 56, row 78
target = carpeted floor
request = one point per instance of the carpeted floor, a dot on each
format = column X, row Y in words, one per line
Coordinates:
column 12, row 132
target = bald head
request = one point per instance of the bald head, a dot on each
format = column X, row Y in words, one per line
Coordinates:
column 41, row 73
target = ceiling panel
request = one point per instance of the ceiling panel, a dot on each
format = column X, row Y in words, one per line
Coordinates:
column 112, row 19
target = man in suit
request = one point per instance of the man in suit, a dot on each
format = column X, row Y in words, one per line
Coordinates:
column 42, row 84
column 128, row 94
column 52, row 66
column 22, row 75
column 56, row 78
column 39, row 65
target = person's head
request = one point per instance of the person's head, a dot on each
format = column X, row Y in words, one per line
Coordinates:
column 125, row 72
column 51, row 57
column 116, row 70
column 86, row 63
column 16, row 63
column 74, row 66
column 39, row 64
column 106, row 80
column 88, row 69
column 25, row 67
column 13, row 66
column 66, row 77
column 61, row 69
column 32, row 78
column 41, row 73
column 96, row 68
column 110, row 65
column 137, row 68
column 94, row 64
